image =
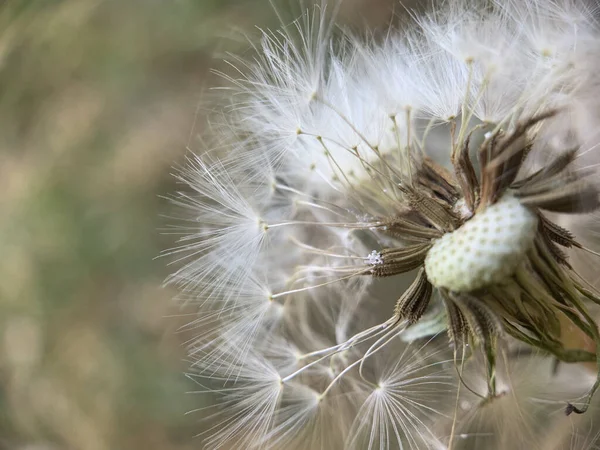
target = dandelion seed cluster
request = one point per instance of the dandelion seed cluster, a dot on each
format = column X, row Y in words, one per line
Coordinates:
column 417, row 169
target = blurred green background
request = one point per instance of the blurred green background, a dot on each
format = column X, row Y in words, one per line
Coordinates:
column 98, row 100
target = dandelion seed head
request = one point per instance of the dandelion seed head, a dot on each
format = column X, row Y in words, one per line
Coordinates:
column 368, row 194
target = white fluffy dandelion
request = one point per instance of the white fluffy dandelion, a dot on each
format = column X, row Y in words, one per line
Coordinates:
column 426, row 168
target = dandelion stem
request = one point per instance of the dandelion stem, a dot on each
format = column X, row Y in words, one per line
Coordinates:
column 308, row 288
column 360, row 226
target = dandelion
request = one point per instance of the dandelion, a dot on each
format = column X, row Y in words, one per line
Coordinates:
column 367, row 194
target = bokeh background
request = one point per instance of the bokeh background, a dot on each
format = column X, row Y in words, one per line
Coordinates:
column 98, row 100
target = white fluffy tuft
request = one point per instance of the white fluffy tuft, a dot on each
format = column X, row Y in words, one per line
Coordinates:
column 283, row 223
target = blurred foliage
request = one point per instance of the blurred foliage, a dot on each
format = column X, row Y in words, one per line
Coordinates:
column 97, row 100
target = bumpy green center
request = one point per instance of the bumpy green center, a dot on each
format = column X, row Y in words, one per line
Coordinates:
column 485, row 250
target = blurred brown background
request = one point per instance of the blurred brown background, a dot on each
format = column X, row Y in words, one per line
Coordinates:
column 98, row 100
